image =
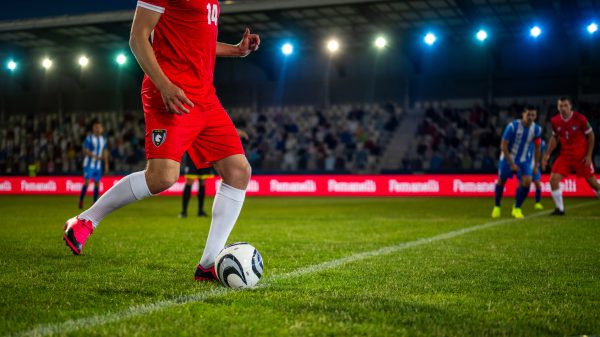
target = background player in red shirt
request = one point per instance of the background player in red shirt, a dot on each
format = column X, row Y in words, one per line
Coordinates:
column 576, row 138
column 182, row 113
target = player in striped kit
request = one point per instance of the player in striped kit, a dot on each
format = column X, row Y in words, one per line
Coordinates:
column 94, row 149
column 516, row 158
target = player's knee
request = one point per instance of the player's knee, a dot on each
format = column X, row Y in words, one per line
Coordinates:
column 160, row 181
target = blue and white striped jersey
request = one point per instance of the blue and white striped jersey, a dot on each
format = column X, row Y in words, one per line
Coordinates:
column 96, row 145
column 520, row 140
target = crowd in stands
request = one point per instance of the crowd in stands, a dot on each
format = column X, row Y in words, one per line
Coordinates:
column 340, row 138
column 48, row 144
column 468, row 139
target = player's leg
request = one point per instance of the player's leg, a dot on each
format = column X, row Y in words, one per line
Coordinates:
column 522, row 192
column 557, row 197
column 219, row 145
column 504, row 173
column 235, row 173
column 201, row 195
column 538, row 194
column 97, row 177
column 159, row 175
column 588, row 173
column 187, row 194
column 591, row 180
column 84, row 189
column 560, row 169
column 96, row 190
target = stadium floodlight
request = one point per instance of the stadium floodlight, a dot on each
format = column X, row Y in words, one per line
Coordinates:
column 287, row 49
column 333, row 46
column 47, row 63
column 481, row 35
column 430, row 39
column 380, row 42
column 121, row 59
column 83, row 61
column 11, row 65
column 535, row 31
column 592, row 28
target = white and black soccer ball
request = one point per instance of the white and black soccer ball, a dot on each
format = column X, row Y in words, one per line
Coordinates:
column 239, row 265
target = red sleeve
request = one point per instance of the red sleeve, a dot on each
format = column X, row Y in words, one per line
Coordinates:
column 584, row 124
column 153, row 5
column 553, row 123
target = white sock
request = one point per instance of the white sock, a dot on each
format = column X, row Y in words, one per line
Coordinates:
column 225, row 211
column 127, row 190
column 558, row 199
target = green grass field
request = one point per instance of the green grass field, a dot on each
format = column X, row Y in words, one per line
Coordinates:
column 535, row 277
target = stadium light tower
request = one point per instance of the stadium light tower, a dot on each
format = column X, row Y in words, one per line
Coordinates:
column 11, row 65
column 592, row 28
column 333, row 46
column 535, row 32
column 46, row 63
column 481, row 35
column 121, row 59
column 84, row 61
column 380, row 42
column 430, row 39
column 287, row 49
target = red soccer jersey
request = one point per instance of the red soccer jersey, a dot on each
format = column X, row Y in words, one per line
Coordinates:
column 572, row 134
column 185, row 44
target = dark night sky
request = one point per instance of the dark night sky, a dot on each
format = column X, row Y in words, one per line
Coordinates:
column 25, row 9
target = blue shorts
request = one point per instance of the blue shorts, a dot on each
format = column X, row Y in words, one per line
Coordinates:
column 92, row 174
column 505, row 173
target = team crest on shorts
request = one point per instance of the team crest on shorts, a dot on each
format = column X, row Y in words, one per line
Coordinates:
column 158, row 137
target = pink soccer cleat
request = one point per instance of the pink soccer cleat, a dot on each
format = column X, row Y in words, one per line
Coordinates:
column 76, row 233
column 208, row 274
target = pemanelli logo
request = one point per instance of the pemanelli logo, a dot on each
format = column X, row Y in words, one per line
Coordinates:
column 48, row 186
column 5, row 186
column 473, row 187
column 307, row 186
column 368, row 186
column 429, row 186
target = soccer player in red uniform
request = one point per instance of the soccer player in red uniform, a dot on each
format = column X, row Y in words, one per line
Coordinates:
column 175, row 43
column 576, row 138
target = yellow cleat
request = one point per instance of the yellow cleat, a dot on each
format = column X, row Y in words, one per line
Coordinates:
column 496, row 213
column 538, row 206
column 517, row 213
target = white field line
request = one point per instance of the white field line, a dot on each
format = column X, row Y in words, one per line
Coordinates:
column 70, row 326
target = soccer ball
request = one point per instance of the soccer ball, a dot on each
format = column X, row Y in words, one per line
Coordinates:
column 239, row 265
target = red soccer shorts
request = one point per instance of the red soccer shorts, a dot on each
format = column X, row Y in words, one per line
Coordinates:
column 206, row 133
column 566, row 166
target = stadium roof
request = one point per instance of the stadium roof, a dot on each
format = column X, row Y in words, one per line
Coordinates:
column 305, row 20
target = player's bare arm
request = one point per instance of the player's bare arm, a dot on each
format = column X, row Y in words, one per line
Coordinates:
column 552, row 144
column 144, row 22
column 536, row 157
column 507, row 156
column 591, row 140
column 250, row 43
column 106, row 168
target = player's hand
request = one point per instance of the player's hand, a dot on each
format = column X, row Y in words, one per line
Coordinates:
column 250, row 43
column 587, row 161
column 545, row 162
column 175, row 99
column 514, row 167
column 243, row 134
column 535, row 171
